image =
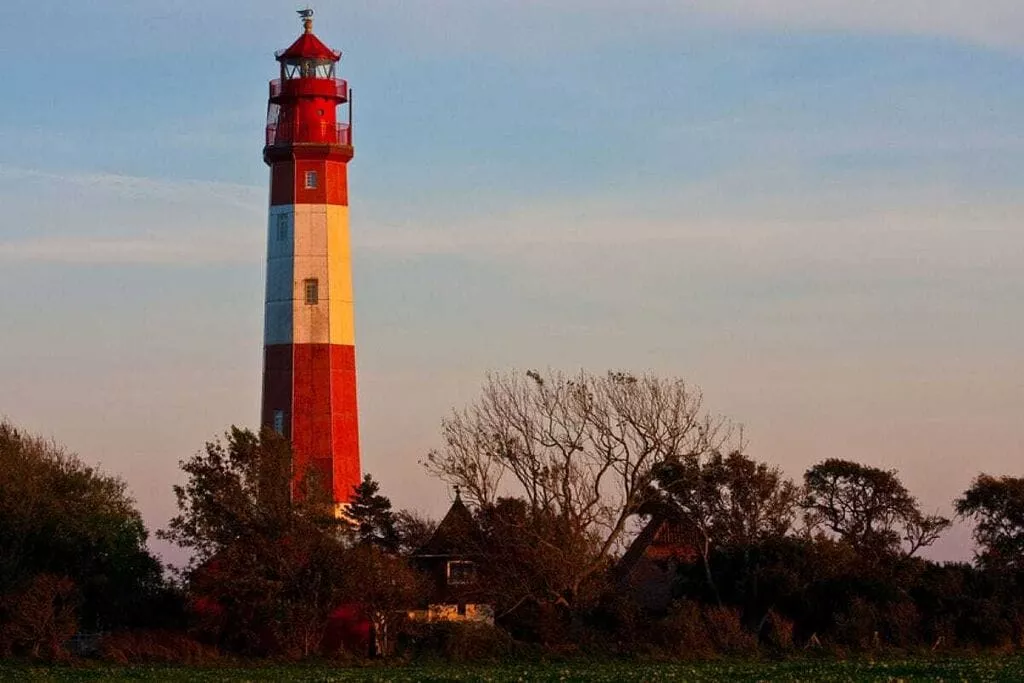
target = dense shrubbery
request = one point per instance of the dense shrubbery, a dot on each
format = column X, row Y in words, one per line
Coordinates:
column 154, row 647
column 456, row 642
column 900, row 602
column 934, row 608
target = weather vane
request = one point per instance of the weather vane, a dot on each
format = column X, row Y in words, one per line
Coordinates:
column 307, row 18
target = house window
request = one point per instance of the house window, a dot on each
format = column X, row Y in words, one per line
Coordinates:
column 312, row 291
column 310, row 180
column 279, row 421
column 461, row 572
column 282, row 227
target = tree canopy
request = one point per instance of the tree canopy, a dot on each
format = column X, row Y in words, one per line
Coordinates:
column 868, row 507
column 272, row 567
column 996, row 504
column 268, row 566
column 73, row 533
column 727, row 502
column 371, row 516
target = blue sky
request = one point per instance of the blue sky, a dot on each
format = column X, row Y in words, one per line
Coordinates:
column 811, row 210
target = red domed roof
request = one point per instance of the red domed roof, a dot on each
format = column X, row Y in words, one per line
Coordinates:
column 308, row 46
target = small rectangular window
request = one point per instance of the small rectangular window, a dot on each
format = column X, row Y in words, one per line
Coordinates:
column 282, row 227
column 279, row 421
column 461, row 572
column 312, row 291
column 310, row 180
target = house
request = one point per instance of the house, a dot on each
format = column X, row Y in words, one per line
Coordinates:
column 450, row 558
column 648, row 569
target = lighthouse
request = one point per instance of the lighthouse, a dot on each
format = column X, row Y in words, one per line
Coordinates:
column 309, row 366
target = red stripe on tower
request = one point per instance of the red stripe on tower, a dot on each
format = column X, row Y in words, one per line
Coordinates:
column 309, row 374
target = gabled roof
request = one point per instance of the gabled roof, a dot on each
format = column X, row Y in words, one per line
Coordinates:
column 308, row 46
column 663, row 538
column 457, row 534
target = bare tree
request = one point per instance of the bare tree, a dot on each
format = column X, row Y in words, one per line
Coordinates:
column 580, row 449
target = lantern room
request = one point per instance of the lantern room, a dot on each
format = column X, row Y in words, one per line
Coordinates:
column 303, row 101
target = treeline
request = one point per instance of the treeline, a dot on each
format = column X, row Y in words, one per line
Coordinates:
column 609, row 515
column 735, row 556
column 831, row 564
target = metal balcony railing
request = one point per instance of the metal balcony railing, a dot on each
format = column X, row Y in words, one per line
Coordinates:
column 310, row 87
column 304, row 133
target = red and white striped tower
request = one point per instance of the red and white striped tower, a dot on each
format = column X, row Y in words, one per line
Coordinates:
column 309, row 370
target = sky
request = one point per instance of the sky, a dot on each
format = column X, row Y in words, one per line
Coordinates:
column 810, row 210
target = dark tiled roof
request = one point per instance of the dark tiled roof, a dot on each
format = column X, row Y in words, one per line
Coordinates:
column 457, row 534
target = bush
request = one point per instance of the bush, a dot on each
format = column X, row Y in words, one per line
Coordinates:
column 727, row 632
column 459, row 642
column 984, row 623
column 683, row 632
column 901, row 625
column 39, row 619
column 617, row 626
column 857, row 625
column 691, row 630
column 542, row 624
column 153, row 647
column 778, row 632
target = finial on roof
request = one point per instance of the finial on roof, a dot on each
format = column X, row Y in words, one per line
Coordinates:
column 458, row 493
column 307, row 19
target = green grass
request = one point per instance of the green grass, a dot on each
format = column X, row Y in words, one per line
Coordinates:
column 967, row 669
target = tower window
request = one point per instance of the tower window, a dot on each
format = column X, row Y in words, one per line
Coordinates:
column 279, row 421
column 282, row 227
column 312, row 291
column 310, row 180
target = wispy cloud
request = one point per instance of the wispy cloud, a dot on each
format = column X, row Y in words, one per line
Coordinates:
column 757, row 219
column 108, row 218
column 98, row 250
column 129, row 187
column 727, row 223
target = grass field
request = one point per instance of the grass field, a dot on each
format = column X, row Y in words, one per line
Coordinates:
column 976, row 669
